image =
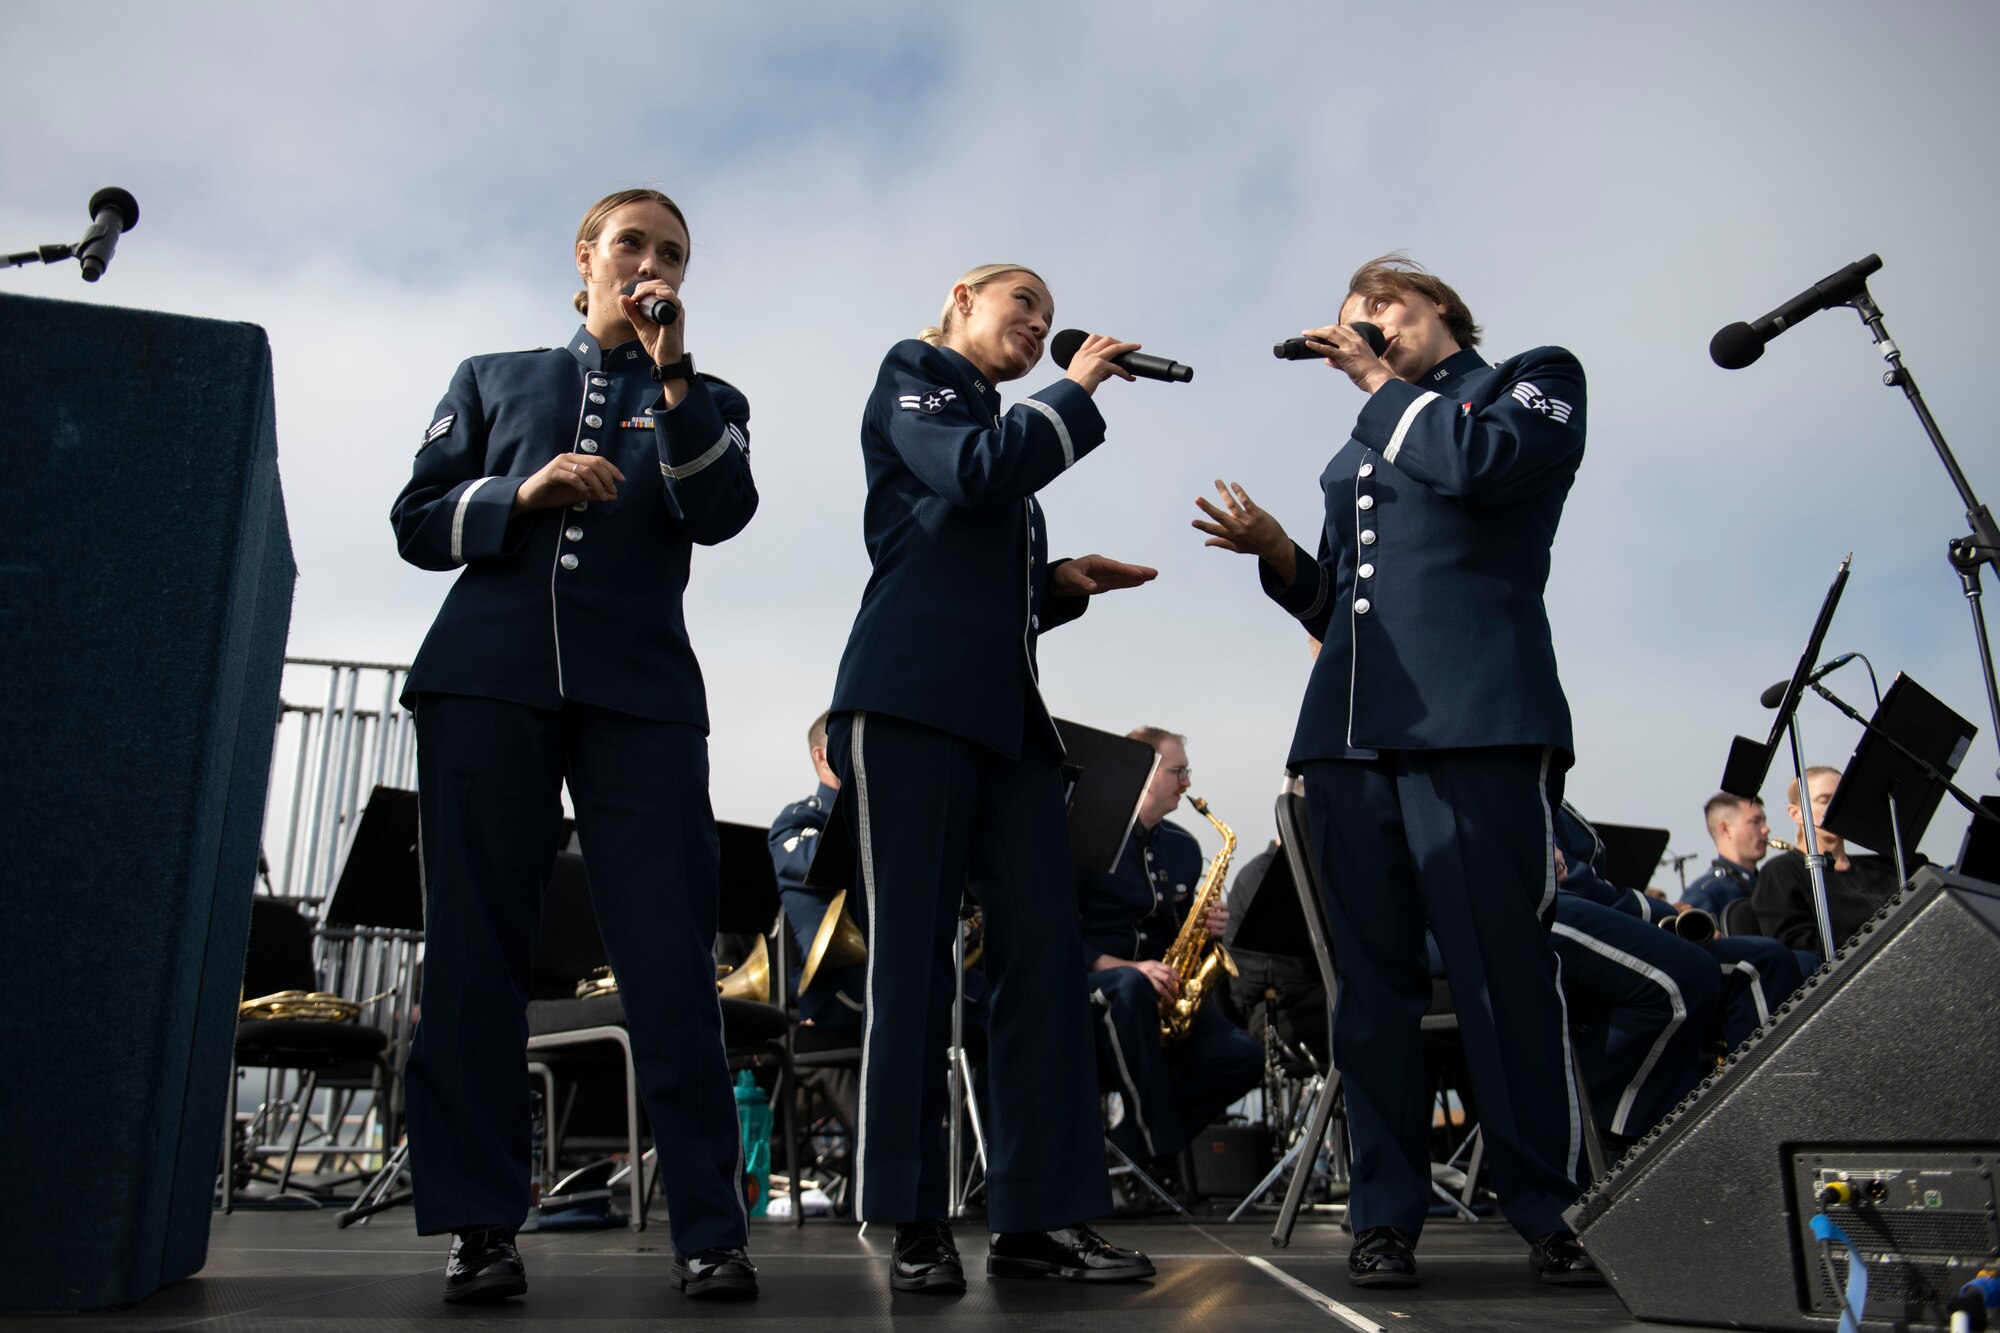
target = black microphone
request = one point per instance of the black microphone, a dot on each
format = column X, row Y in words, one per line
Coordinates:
column 112, row 212
column 1147, row 367
column 1737, row 345
column 1771, row 697
column 658, row 308
column 1295, row 349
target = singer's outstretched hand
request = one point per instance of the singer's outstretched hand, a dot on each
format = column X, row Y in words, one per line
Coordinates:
column 569, row 479
column 1349, row 352
column 1239, row 525
column 1093, row 362
column 1088, row 575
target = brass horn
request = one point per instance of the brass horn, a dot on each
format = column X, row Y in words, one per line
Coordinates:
column 749, row 980
column 838, row 943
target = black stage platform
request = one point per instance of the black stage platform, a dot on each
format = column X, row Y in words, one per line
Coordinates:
column 297, row 1271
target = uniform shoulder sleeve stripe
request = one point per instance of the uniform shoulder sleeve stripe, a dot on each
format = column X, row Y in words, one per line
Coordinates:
column 1062, row 430
column 1403, row 426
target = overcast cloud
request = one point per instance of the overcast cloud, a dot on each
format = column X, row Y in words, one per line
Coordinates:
column 390, row 188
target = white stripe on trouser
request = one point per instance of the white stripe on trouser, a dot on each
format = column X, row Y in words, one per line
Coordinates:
column 868, row 986
column 1744, row 965
column 1132, row 1105
column 1573, row 1105
column 1674, row 1001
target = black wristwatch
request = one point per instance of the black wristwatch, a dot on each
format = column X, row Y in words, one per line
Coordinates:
column 682, row 369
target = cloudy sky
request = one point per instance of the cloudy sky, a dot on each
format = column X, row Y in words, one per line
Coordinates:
column 390, row 188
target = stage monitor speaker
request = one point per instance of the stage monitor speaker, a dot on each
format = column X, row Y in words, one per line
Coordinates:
column 145, row 590
column 1884, row 1072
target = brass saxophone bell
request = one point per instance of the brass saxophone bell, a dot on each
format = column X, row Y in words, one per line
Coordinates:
column 749, row 981
column 836, row 944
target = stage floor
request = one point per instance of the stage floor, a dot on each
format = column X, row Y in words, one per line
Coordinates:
column 298, row 1271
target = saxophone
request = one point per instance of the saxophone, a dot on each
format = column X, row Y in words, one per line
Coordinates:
column 1199, row 965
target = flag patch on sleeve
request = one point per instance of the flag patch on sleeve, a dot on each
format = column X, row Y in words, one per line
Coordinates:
column 931, row 402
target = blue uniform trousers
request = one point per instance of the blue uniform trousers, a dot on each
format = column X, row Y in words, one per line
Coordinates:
column 1170, row 1092
column 489, row 773
column 1758, row 975
column 929, row 812
column 1460, row 838
column 1647, row 1003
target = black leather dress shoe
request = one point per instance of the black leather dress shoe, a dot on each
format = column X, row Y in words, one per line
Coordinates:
column 925, row 1258
column 1558, row 1259
column 1077, row 1253
column 717, row 1275
column 1383, row 1257
column 484, row 1267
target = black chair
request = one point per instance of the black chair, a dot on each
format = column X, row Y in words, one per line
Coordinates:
column 1740, row 918
column 755, row 1034
column 280, row 958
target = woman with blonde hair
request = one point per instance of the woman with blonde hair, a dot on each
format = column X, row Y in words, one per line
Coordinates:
column 570, row 485
column 951, row 779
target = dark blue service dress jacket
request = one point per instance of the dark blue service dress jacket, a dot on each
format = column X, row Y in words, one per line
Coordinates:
column 580, row 603
column 1724, row 883
column 1583, row 849
column 959, row 593
column 1426, row 593
column 1135, row 911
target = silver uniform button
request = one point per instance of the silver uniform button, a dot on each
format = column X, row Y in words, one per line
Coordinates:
column 1366, row 571
column 1367, row 536
column 1034, row 622
column 593, row 422
column 580, row 506
column 573, row 534
column 1367, row 469
column 599, row 381
column 588, row 446
column 569, row 561
column 1360, row 603
column 597, row 398
column 1365, row 502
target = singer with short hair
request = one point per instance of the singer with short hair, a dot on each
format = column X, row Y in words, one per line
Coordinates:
column 570, row 486
column 950, row 773
column 1433, row 740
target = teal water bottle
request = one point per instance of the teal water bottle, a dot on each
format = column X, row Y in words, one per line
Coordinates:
column 753, row 1114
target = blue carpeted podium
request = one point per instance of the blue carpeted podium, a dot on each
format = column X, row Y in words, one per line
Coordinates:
column 145, row 589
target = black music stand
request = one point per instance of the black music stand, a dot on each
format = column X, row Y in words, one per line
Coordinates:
column 381, row 882
column 1749, row 762
column 1899, row 772
column 1631, row 853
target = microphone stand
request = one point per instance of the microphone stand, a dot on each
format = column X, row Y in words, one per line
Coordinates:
column 1809, row 840
column 45, row 254
column 1982, row 546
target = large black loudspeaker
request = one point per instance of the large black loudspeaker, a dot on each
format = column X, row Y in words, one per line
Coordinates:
column 1883, row 1072
column 145, row 589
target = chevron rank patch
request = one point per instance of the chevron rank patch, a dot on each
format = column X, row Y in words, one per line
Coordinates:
column 931, row 402
column 1536, row 401
column 439, row 429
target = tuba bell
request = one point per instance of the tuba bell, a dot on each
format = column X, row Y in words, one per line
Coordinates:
column 838, row 943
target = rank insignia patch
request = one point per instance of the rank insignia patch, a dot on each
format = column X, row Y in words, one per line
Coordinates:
column 441, row 426
column 930, row 402
column 1536, row 401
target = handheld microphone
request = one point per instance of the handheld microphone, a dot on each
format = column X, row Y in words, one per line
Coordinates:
column 1147, row 367
column 1775, row 694
column 1737, row 345
column 112, row 212
column 1295, row 349
column 658, row 309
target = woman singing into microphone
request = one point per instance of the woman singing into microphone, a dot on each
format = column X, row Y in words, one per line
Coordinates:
column 571, row 485
column 950, row 772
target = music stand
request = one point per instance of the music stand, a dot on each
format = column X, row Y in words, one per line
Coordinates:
column 1750, row 763
column 1112, row 775
column 1274, row 922
column 381, row 883
column 1899, row 772
column 1631, row 853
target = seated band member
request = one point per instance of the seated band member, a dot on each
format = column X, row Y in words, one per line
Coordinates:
column 571, row 485
column 835, row 998
column 1130, row 917
column 950, row 770
column 1856, row 886
column 1759, row 973
column 1433, row 739
column 1742, row 835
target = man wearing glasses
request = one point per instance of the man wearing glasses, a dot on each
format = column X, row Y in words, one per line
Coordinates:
column 1130, row 917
